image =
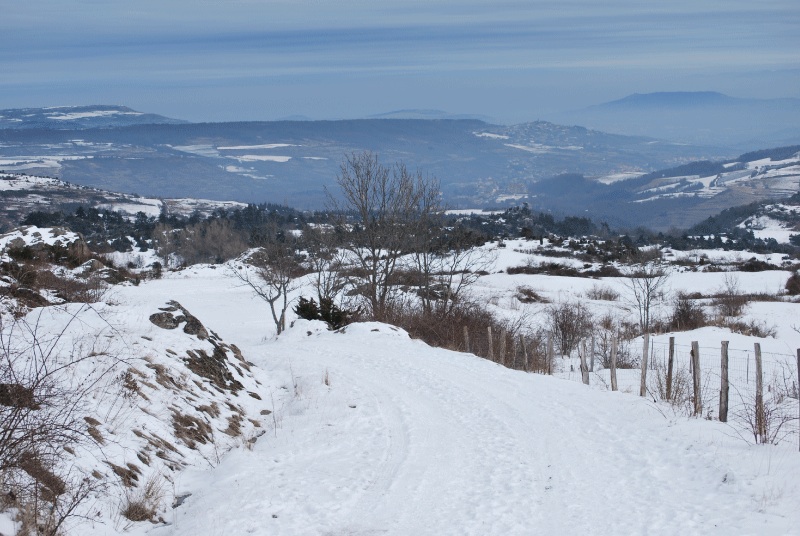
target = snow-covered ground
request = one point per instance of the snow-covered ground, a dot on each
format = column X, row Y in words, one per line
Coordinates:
column 371, row 432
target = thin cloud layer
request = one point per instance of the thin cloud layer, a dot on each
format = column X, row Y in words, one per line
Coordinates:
column 512, row 60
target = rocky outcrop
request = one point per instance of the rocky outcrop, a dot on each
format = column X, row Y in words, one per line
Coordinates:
column 167, row 319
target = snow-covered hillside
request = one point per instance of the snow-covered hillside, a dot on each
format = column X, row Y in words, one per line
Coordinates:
column 366, row 431
column 758, row 178
column 28, row 193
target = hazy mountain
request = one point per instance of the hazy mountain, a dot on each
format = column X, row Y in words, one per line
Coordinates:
column 696, row 117
column 477, row 163
column 430, row 114
column 79, row 117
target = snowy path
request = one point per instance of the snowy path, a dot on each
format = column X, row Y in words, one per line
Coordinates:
column 410, row 440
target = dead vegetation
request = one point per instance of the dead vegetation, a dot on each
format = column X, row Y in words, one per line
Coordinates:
column 190, row 429
column 142, row 504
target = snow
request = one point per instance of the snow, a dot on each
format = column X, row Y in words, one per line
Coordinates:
column 199, row 149
column 510, row 197
column 149, row 209
column 412, row 440
column 24, row 182
column 32, row 236
column 372, row 432
column 470, row 211
column 538, row 148
column 261, row 158
column 769, row 162
column 236, row 169
column 85, row 115
column 491, row 135
column 441, row 450
column 264, row 146
column 622, row 176
column 765, row 228
column 20, row 163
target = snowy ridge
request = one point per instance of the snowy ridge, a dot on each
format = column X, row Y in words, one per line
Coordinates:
column 780, row 221
column 32, row 236
column 45, row 193
column 78, row 117
column 169, row 395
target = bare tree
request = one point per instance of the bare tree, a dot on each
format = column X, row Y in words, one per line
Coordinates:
column 390, row 204
column 270, row 271
column 569, row 322
column 648, row 286
column 213, row 241
column 730, row 300
column 326, row 261
column 166, row 241
column 448, row 264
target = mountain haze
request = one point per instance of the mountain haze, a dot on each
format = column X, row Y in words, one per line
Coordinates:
column 477, row 163
column 701, row 117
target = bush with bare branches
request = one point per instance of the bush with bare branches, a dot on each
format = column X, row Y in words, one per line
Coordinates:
column 687, row 314
column 647, row 284
column 41, row 405
column 730, row 301
column 271, row 272
column 568, row 322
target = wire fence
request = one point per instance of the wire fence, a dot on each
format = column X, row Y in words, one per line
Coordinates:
column 778, row 421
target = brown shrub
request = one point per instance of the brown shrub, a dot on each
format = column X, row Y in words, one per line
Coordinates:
column 793, row 284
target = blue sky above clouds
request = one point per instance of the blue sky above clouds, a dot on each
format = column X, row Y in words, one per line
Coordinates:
column 512, row 60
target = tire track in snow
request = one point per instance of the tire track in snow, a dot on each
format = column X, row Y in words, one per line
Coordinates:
column 454, row 439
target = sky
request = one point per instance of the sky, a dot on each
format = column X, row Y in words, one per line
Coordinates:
column 508, row 60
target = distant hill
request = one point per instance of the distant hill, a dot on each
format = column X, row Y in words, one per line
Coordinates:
column 79, row 117
column 430, row 114
column 675, row 197
column 702, row 117
column 674, row 99
column 767, row 220
column 292, row 162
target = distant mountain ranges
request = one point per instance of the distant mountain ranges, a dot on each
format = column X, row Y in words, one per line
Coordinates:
column 79, row 118
column 702, row 117
column 562, row 169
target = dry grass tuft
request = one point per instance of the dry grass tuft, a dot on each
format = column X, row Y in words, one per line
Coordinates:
column 191, row 430
column 143, row 505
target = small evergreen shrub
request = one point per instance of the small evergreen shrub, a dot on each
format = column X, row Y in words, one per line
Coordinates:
column 326, row 310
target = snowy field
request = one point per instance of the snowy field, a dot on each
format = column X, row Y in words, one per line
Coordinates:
column 371, row 432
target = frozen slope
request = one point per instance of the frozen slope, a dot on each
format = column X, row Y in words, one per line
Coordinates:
column 410, row 440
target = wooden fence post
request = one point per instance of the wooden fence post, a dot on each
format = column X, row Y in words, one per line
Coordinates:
column 466, row 339
column 645, row 352
column 491, row 343
column 614, row 364
column 584, row 367
column 550, row 354
column 761, row 431
column 591, row 356
column 724, row 386
column 670, row 364
column 514, row 350
column 524, row 351
column 503, row 352
column 698, row 400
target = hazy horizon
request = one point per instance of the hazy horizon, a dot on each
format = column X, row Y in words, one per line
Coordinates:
column 512, row 61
